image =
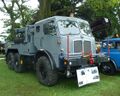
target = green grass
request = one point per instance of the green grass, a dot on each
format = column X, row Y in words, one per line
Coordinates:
column 2, row 55
column 26, row 84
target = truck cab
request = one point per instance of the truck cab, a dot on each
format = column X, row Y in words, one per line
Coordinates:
column 111, row 48
column 67, row 36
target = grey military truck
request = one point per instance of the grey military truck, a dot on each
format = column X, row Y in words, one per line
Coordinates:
column 51, row 46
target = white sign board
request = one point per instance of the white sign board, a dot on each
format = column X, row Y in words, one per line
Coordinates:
column 87, row 75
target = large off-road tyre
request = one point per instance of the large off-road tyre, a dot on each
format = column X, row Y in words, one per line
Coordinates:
column 46, row 75
column 107, row 68
column 10, row 60
column 18, row 67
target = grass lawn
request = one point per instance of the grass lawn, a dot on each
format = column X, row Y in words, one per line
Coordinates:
column 2, row 55
column 26, row 84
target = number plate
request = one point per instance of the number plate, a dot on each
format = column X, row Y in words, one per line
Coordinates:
column 87, row 75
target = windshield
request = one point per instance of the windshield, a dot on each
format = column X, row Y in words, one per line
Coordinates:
column 68, row 27
column 111, row 45
column 85, row 29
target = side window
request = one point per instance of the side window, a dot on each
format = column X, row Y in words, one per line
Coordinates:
column 111, row 45
column 20, row 37
column 49, row 28
column 37, row 28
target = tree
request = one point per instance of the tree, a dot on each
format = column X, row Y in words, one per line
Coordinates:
column 49, row 8
column 97, row 9
column 9, row 9
column 18, row 13
column 25, row 13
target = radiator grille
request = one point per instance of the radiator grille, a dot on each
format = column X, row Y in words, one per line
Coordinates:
column 87, row 47
column 77, row 46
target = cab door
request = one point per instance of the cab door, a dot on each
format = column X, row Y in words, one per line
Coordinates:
column 115, row 52
column 50, row 38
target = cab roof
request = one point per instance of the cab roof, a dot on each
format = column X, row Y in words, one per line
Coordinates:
column 112, row 39
column 63, row 18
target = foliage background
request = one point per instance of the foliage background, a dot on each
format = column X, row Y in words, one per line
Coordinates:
column 91, row 10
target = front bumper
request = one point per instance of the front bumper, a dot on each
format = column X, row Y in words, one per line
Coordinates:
column 73, row 64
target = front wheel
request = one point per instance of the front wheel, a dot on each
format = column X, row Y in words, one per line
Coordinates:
column 46, row 75
column 107, row 68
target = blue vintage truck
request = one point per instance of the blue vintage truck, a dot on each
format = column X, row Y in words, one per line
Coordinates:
column 111, row 48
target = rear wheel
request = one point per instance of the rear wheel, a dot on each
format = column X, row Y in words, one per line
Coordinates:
column 46, row 75
column 107, row 68
column 18, row 66
column 10, row 60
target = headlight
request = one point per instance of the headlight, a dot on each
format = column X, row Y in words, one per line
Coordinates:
column 108, row 59
column 70, row 63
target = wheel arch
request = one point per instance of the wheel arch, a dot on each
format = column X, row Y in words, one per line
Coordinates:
column 12, row 50
column 46, row 53
column 114, row 63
